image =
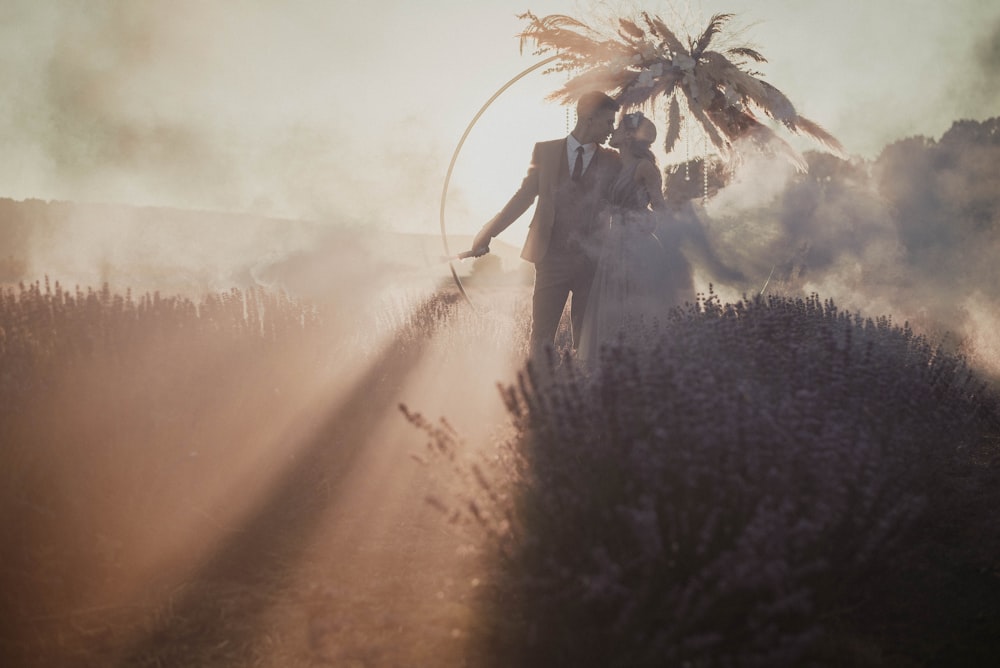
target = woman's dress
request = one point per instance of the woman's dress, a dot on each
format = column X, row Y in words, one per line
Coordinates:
column 638, row 279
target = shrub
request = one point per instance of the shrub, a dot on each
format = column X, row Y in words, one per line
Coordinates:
column 720, row 496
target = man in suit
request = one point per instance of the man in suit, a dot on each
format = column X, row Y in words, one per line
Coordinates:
column 569, row 178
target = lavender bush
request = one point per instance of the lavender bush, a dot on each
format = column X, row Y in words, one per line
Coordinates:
column 729, row 495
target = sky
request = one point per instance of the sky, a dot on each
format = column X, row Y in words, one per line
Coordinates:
column 350, row 110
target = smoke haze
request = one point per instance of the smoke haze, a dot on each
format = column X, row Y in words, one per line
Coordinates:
column 911, row 234
column 199, row 145
column 346, row 115
column 306, row 108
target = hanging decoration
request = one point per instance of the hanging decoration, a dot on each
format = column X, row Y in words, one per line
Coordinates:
column 641, row 62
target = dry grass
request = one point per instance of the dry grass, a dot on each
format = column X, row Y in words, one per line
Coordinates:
column 229, row 483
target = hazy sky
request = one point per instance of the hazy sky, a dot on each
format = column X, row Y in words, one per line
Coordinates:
column 350, row 109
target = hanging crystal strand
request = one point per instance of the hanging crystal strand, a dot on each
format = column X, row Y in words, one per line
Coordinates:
column 704, row 175
column 570, row 113
column 687, row 148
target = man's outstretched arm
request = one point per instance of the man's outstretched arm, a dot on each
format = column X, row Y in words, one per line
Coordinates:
column 514, row 209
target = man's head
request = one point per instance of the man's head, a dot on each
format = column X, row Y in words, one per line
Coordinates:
column 595, row 117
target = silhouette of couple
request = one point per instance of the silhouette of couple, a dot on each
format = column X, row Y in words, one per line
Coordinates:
column 592, row 235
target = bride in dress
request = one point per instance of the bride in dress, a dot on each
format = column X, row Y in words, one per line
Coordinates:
column 638, row 278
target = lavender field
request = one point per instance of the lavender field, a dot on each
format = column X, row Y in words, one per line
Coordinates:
column 773, row 482
column 265, row 401
column 230, row 481
column 321, row 455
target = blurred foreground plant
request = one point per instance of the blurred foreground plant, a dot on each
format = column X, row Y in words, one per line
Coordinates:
column 728, row 494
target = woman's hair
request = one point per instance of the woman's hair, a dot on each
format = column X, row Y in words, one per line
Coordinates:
column 641, row 133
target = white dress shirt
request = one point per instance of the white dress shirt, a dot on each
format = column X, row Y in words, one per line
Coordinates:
column 588, row 152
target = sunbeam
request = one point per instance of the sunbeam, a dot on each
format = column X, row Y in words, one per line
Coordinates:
column 259, row 486
column 247, row 417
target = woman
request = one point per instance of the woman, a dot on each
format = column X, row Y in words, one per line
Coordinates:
column 638, row 279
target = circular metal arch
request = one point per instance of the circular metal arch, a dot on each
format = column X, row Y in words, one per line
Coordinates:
column 454, row 159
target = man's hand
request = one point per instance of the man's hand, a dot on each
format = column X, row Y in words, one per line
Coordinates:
column 475, row 252
column 480, row 245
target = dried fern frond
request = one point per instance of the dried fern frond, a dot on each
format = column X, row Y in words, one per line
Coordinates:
column 716, row 68
column 714, row 27
column 745, row 52
column 556, row 31
column 631, row 30
column 673, row 125
column 767, row 139
column 715, row 134
column 553, row 22
column 775, row 104
column 807, row 127
column 637, row 61
column 666, row 35
column 632, row 95
column 605, row 78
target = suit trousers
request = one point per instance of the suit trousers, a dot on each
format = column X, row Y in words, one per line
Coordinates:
column 558, row 275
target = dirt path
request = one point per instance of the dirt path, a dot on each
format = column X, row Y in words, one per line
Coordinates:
column 350, row 570
column 255, row 507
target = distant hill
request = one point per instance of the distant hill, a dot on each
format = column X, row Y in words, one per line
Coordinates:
column 180, row 250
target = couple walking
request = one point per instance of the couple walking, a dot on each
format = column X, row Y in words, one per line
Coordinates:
column 592, row 234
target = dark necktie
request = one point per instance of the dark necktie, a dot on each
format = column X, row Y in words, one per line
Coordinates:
column 578, row 165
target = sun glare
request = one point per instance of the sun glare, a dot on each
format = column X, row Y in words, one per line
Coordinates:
column 497, row 152
column 247, row 417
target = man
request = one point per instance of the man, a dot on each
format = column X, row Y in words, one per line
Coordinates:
column 569, row 178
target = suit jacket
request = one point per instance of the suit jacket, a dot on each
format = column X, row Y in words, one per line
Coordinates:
column 541, row 182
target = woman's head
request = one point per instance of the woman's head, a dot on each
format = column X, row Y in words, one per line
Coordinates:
column 634, row 133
